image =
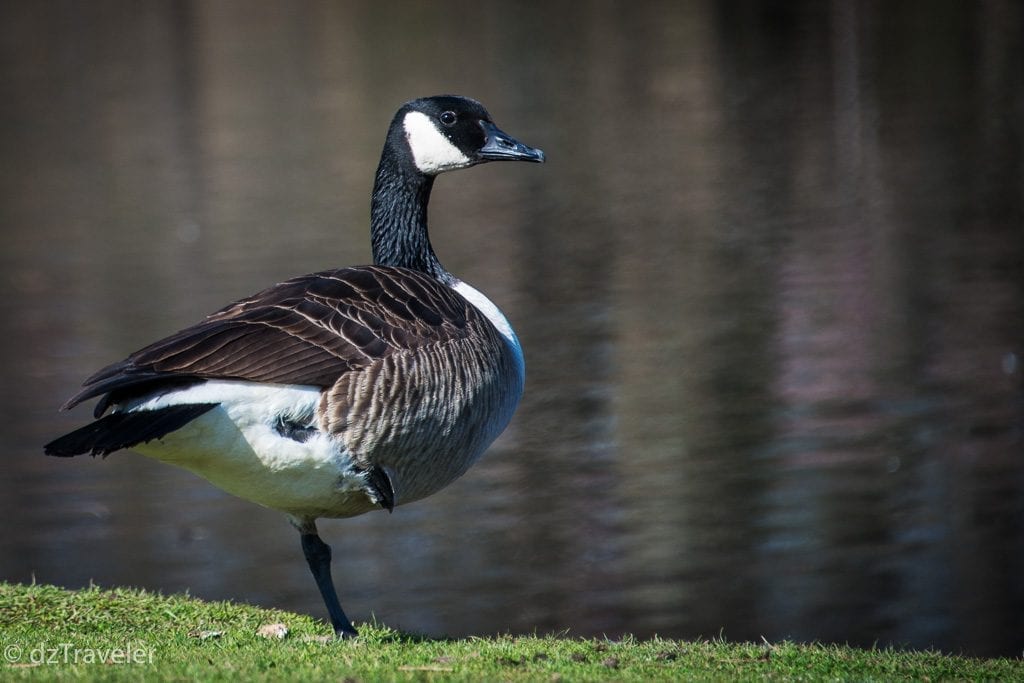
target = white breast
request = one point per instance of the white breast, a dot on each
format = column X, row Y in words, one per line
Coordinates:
column 497, row 318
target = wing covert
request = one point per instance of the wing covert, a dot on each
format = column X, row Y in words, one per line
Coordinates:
column 309, row 330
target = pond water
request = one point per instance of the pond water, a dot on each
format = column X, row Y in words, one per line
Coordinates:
column 770, row 286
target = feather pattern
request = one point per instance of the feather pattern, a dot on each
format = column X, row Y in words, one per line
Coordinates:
column 335, row 393
column 427, row 414
column 414, row 377
column 308, row 331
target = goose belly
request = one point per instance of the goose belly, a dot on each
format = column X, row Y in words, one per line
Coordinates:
column 237, row 448
column 426, row 417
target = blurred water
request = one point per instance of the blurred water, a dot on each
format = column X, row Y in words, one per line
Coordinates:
column 770, row 286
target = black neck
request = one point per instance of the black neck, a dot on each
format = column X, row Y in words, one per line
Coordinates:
column 398, row 218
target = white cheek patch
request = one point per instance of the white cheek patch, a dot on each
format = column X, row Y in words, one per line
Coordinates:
column 431, row 150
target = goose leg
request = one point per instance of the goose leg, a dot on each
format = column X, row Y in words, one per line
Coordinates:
column 318, row 555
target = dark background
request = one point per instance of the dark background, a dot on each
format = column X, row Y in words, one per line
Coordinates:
column 770, row 287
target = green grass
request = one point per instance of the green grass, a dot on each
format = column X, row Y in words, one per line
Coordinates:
column 88, row 634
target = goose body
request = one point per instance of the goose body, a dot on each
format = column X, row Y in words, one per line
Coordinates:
column 343, row 391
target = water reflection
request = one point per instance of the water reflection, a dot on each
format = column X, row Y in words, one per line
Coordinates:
column 770, row 288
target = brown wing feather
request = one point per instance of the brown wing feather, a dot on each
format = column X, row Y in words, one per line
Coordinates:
column 309, row 330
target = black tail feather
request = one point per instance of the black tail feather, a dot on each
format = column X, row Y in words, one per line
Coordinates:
column 123, row 430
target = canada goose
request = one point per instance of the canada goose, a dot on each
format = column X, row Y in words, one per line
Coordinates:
column 335, row 393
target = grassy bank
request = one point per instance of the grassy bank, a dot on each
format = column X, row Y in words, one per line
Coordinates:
column 47, row 632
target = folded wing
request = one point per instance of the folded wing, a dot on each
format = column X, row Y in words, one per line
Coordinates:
column 309, row 330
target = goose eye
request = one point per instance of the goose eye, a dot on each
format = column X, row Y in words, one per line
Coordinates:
column 448, row 118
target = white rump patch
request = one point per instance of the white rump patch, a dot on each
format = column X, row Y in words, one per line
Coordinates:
column 431, row 150
column 251, row 401
column 239, row 448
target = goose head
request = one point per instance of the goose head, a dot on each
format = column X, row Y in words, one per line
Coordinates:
column 447, row 132
column 427, row 137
